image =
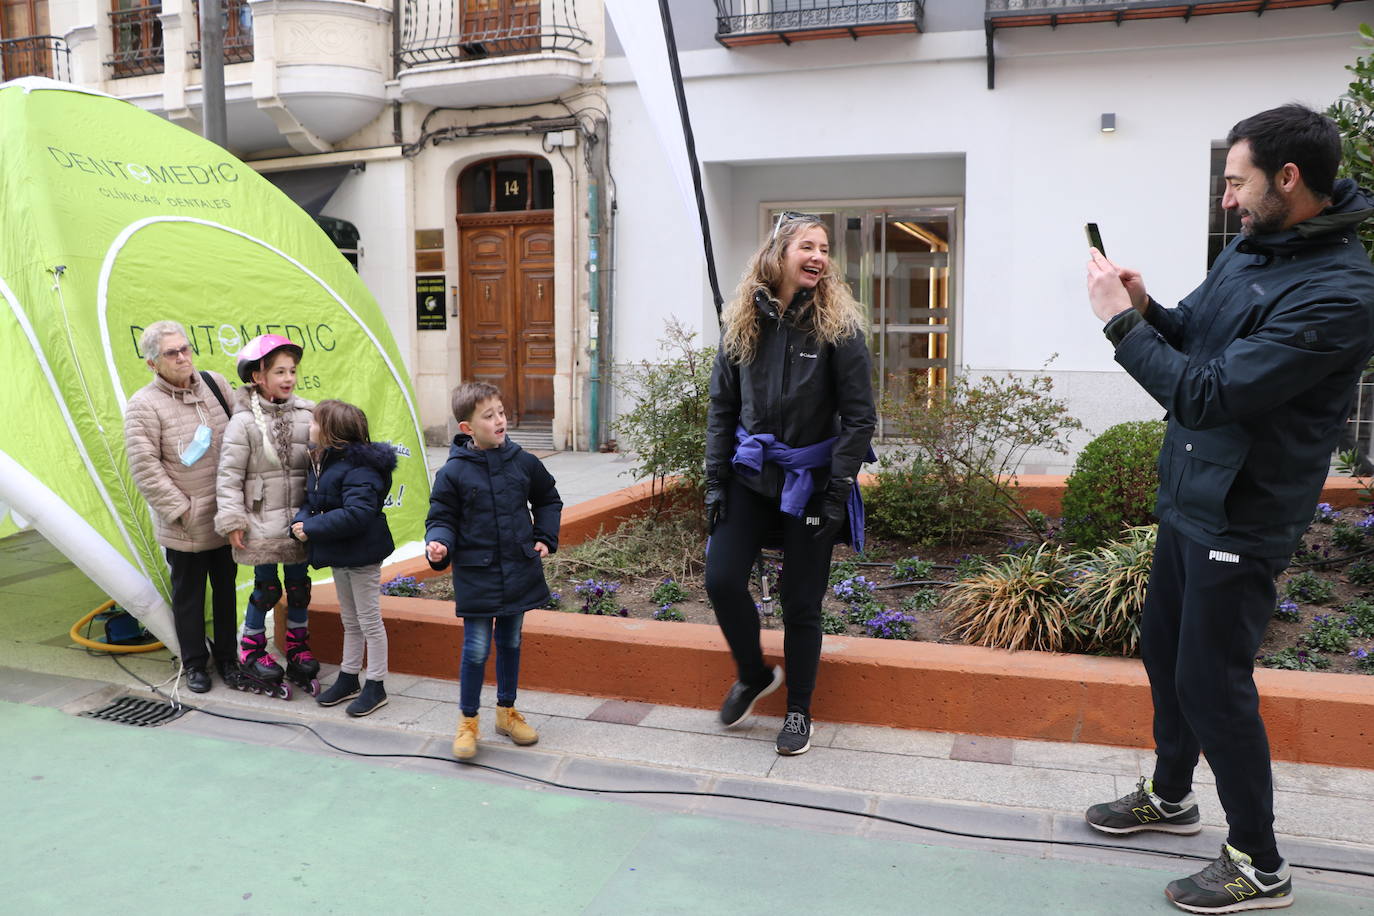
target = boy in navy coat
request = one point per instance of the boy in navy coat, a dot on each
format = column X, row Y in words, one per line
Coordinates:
column 494, row 513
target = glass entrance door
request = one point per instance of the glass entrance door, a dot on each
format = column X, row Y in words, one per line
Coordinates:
column 898, row 262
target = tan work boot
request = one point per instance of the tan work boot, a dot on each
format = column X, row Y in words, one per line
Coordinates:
column 509, row 722
column 465, row 742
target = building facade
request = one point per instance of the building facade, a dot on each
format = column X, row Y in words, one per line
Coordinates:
column 492, row 169
column 957, row 148
column 450, row 147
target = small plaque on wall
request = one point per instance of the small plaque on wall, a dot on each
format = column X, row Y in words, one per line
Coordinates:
column 430, row 304
column 429, row 260
column 429, row 239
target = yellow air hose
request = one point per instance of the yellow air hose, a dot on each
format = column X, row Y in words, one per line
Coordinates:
column 103, row 646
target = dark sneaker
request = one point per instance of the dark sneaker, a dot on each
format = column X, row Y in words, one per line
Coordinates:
column 345, row 688
column 1144, row 810
column 739, row 702
column 795, row 737
column 1231, row 884
column 372, row 698
column 198, row 679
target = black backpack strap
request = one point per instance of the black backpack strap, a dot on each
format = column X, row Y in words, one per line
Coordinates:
column 219, row 395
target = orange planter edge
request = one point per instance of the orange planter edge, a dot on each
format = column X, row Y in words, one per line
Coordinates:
column 1311, row 718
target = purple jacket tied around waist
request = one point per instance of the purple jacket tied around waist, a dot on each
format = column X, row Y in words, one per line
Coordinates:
column 799, row 466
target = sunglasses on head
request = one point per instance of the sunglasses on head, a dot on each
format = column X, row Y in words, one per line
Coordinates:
column 787, row 216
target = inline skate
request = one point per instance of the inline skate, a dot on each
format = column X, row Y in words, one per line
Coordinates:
column 257, row 671
column 302, row 668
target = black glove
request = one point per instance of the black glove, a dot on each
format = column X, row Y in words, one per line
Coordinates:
column 715, row 503
column 835, row 508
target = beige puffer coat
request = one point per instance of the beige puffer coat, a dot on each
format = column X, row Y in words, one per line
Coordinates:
column 159, row 422
column 257, row 495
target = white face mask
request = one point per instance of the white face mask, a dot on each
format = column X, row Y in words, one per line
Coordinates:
column 200, row 444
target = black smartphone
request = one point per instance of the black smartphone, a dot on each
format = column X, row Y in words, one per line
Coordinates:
column 1094, row 237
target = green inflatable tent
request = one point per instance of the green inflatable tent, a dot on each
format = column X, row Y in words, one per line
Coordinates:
column 114, row 218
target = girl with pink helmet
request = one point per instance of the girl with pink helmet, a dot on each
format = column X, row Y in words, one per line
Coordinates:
column 260, row 487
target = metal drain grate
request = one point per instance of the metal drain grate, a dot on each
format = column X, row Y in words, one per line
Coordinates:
column 137, row 711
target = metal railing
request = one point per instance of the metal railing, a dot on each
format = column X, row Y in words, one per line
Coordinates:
column 137, row 33
column 35, row 55
column 238, row 32
column 1139, row 9
column 442, row 31
column 786, row 17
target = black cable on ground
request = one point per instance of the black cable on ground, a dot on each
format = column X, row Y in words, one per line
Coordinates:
column 696, row 793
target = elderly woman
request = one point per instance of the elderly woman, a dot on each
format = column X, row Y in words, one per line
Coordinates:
column 172, row 431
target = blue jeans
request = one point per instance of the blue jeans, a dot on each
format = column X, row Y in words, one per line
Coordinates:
column 267, row 591
column 476, row 648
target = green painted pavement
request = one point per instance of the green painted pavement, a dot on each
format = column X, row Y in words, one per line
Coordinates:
column 103, row 818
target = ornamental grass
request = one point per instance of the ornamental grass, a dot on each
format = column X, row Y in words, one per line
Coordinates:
column 1019, row 602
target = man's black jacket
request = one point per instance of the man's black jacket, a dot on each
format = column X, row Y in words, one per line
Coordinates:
column 797, row 389
column 1257, row 370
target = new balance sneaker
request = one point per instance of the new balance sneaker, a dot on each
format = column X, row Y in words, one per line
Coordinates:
column 1232, row 884
column 1144, row 810
column 795, row 736
column 739, row 702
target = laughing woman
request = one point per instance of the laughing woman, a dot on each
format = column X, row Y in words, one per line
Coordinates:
column 790, row 422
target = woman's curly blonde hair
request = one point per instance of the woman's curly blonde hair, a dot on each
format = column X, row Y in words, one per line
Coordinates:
column 835, row 316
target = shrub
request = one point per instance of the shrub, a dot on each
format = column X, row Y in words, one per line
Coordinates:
column 890, row 624
column 1347, row 537
column 1109, row 593
column 666, row 428
column 970, row 437
column 1295, row 659
column 1327, row 633
column 913, row 568
column 912, row 502
column 969, row 565
column 923, row 599
column 668, row 592
column 1354, row 116
column 1018, row 603
column 1309, row 588
column 668, row 612
column 403, row 587
column 600, row 598
column 1113, row 484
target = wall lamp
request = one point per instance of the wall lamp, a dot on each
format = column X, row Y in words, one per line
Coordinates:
column 1108, row 122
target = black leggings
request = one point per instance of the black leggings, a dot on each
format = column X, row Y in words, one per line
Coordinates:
column 734, row 547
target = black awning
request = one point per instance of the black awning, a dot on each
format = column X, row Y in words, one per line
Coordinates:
column 310, row 188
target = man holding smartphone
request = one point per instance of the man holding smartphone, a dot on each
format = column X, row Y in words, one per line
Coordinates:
column 1257, row 369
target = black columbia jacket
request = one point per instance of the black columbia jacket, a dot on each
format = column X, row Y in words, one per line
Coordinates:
column 797, row 389
column 480, row 508
column 1257, row 370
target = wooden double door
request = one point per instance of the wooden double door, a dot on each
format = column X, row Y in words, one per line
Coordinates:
column 507, row 309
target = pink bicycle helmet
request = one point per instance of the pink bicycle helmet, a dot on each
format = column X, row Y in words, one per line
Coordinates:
column 256, row 351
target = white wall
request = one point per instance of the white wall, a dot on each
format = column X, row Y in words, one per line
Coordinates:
column 898, row 116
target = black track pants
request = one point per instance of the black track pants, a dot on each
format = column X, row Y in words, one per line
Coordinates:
column 1205, row 614
column 734, row 547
